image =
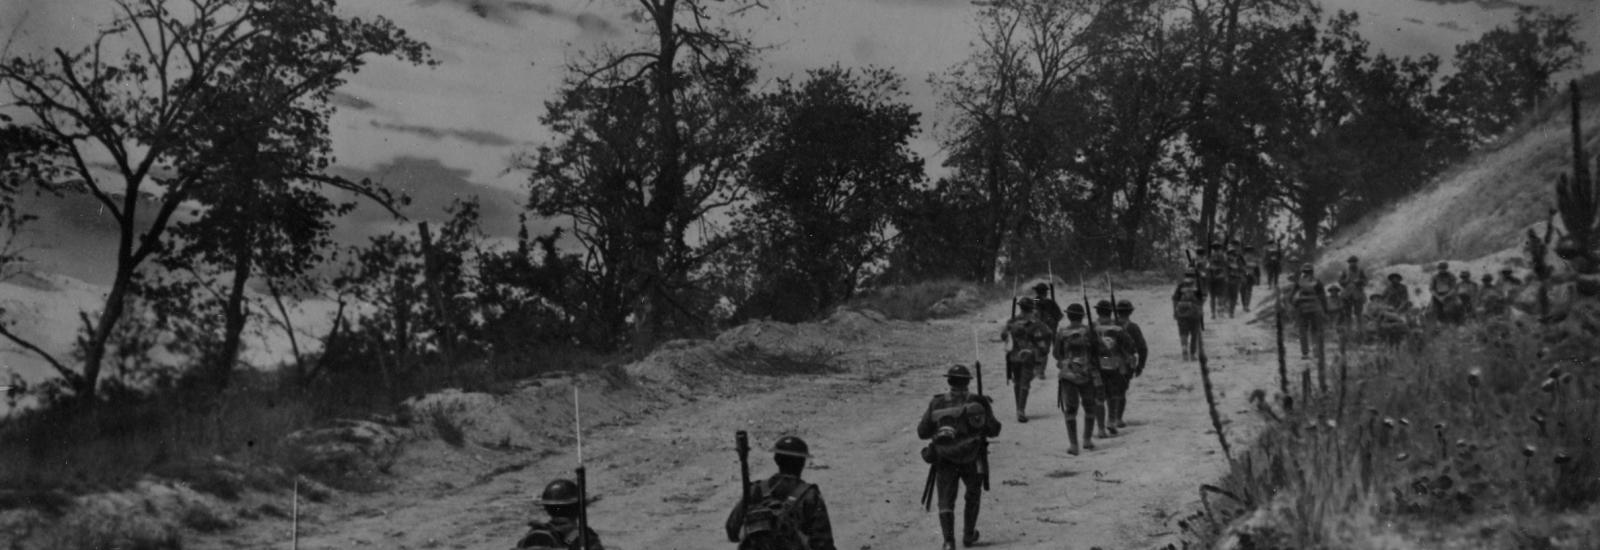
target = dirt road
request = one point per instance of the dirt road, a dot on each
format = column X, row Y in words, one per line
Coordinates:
column 668, row 482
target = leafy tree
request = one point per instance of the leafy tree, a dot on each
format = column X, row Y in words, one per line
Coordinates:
column 822, row 183
column 1508, row 71
column 183, row 102
column 649, row 142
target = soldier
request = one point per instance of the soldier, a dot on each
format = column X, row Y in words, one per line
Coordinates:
column 1337, row 313
column 1030, row 342
column 959, row 423
column 1509, row 276
column 1396, row 296
column 560, row 501
column 1141, row 353
column 1491, row 297
column 1354, row 283
column 1048, row 312
column 1045, row 306
column 800, row 510
column 1252, row 276
column 1188, row 309
column 1273, row 262
column 1310, row 301
column 1116, row 365
column 1237, row 277
column 1390, row 325
column 1466, row 294
column 1445, row 304
column 1079, row 382
column 1217, row 277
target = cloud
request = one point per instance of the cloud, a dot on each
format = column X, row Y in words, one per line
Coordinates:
column 1451, row 25
column 509, row 12
column 476, row 137
column 342, row 99
column 1414, row 21
column 1485, row 4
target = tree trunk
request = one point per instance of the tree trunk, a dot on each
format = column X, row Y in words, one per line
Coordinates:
column 234, row 314
column 669, row 182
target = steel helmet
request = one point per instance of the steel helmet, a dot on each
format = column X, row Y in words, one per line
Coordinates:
column 1124, row 306
column 1041, row 287
column 558, row 493
column 791, row 446
column 1026, row 304
column 959, row 371
column 1075, row 309
column 1102, row 305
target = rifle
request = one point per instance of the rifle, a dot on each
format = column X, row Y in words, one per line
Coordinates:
column 1113, row 289
column 1094, row 335
column 583, row 490
column 977, row 373
column 741, row 444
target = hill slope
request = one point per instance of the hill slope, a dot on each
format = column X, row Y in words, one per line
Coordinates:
column 1483, row 206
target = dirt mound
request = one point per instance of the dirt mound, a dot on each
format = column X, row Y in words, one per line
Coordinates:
column 459, row 417
column 151, row 515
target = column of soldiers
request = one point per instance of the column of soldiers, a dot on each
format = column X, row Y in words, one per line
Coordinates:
column 1096, row 361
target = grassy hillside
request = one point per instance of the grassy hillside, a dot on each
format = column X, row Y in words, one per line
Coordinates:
column 1483, row 205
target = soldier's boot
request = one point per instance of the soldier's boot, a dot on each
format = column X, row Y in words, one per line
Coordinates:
column 1119, row 406
column 1100, row 419
column 1021, row 391
column 1072, row 436
column 969, row 523
column 1088, row 428
column 947, row 525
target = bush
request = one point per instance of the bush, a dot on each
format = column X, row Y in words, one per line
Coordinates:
column 915, row 302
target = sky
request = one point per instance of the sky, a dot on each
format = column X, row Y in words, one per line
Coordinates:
column 451, row 131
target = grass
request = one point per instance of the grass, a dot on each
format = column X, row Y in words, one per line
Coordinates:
column 1477, row 426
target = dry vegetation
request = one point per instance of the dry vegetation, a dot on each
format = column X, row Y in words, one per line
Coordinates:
column 1478, row 438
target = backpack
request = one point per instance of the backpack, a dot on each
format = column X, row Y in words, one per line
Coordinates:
column 965, row 419
column 1111, row 352
column 1074, row 363
column 1306, row 295
column 1188, row 304
column 772, row 519
column 549, row 535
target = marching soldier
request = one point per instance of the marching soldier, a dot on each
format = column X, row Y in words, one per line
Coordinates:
column 1188, row 309
column 1443, row 286
column 1492, row 297
column 1252, row 276
column 1217, row 277
column 803, row 520
column 1466, row 294
column 1354, row 283
column 560, row 501
column 1045, row 306
column 1048, row 312
column 1237, row 278
column 959, row 423
column 1116, row 365
column 1310, row 301
column 1396, row 295
column 1079, row 383
column 1030, row 341
column 1272, row 260
column 1337, row 312
column 1141, row 352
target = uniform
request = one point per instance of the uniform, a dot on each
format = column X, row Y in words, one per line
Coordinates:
column 1446, row 306
column 1188, row 309
column 1397, row 296
column 1116, row 367
column 963, row 465
column 1078, row 382
column 1492, row 298
column 1354, row 281
column 1390, row 325
column 1273, row 262
column 1237, row 278
column 1140, row 352
column 1337, row 311
column 561, row 499
column 1467, row 294
column 1309, row 299
column 1030, row 340
column 811, row 512
column 1252, row 277
column 1217, row 281
column 557, row 533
